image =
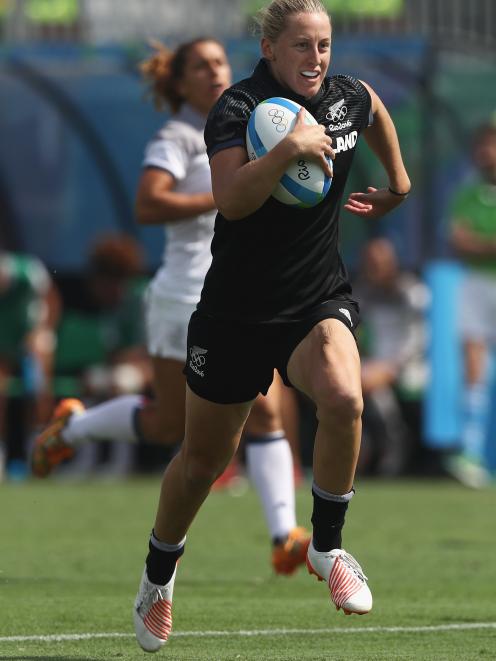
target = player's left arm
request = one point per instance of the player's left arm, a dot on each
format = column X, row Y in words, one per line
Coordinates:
column 382, row 138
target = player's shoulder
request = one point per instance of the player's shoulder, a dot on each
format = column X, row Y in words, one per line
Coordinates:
column 344, row 105
column 180, row 133
column 227, row 120
column 349, row 86
column 240, row 99
column 177, row 129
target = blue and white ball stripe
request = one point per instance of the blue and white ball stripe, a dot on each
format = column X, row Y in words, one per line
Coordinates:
column 304, row 183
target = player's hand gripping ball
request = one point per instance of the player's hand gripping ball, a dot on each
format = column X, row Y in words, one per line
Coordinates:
column 304, row 184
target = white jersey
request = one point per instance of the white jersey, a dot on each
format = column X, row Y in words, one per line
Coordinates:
column 180, row 149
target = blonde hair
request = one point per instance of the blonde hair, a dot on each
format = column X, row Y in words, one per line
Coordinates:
column 165, row 68
column 271, row 20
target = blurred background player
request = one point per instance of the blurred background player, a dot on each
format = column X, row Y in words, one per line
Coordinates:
column 473, row 235
column 175, row 190
column 100, row 341
column 29, row 310
column 392, row 338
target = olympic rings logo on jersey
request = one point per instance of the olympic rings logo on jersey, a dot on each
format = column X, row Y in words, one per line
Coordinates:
column 278, row 119
column 337, row 112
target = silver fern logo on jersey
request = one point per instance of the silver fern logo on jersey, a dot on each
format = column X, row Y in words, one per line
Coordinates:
column 337, row 113
column 198, row 359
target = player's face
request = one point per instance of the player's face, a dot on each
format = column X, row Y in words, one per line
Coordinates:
column 300, row 57
column 206, row 75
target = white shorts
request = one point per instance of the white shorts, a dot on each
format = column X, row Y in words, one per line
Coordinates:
column 167, row 326
column 477, row 307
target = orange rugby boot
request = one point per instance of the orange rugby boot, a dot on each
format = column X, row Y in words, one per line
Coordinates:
column 50, row 449
column 290, row 554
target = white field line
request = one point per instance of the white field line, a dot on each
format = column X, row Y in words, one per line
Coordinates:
column 462, row 626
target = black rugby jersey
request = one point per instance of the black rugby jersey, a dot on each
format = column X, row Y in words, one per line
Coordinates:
column 280, row 261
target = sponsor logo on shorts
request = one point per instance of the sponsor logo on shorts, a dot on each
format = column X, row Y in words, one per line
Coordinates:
column 198, row 359
column 346, row 314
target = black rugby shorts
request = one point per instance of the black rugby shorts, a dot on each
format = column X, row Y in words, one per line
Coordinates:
column 230, row 362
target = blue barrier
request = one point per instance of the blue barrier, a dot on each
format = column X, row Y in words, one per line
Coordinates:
column 442, row 417
column 491, row 425
column 443, row 397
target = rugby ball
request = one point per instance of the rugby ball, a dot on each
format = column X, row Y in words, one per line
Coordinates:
column 304, row 184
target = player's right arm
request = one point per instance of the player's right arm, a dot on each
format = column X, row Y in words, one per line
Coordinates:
column 157, row 202
column 240, row 186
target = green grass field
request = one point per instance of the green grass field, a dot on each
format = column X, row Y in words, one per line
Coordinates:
column 71, row 556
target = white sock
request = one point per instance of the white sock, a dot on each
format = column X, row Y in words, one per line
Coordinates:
column 475, row 421
column 109, row 421
column 269, row 463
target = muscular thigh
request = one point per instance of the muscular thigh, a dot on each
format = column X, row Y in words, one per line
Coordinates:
column 166, row 327
column 326, row 361
column 163, row 420
column 265, row 415
column 213, row 430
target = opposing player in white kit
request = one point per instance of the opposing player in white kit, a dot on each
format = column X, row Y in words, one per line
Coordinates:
column 175, row 190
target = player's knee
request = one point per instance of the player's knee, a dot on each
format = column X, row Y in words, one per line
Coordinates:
column 170, row 434
column 263, row 419
column 200, row 471
column 342, row 406
column 162, row 430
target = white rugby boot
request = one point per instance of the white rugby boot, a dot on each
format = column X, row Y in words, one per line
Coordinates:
column 153, row 613
column 345, row 578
